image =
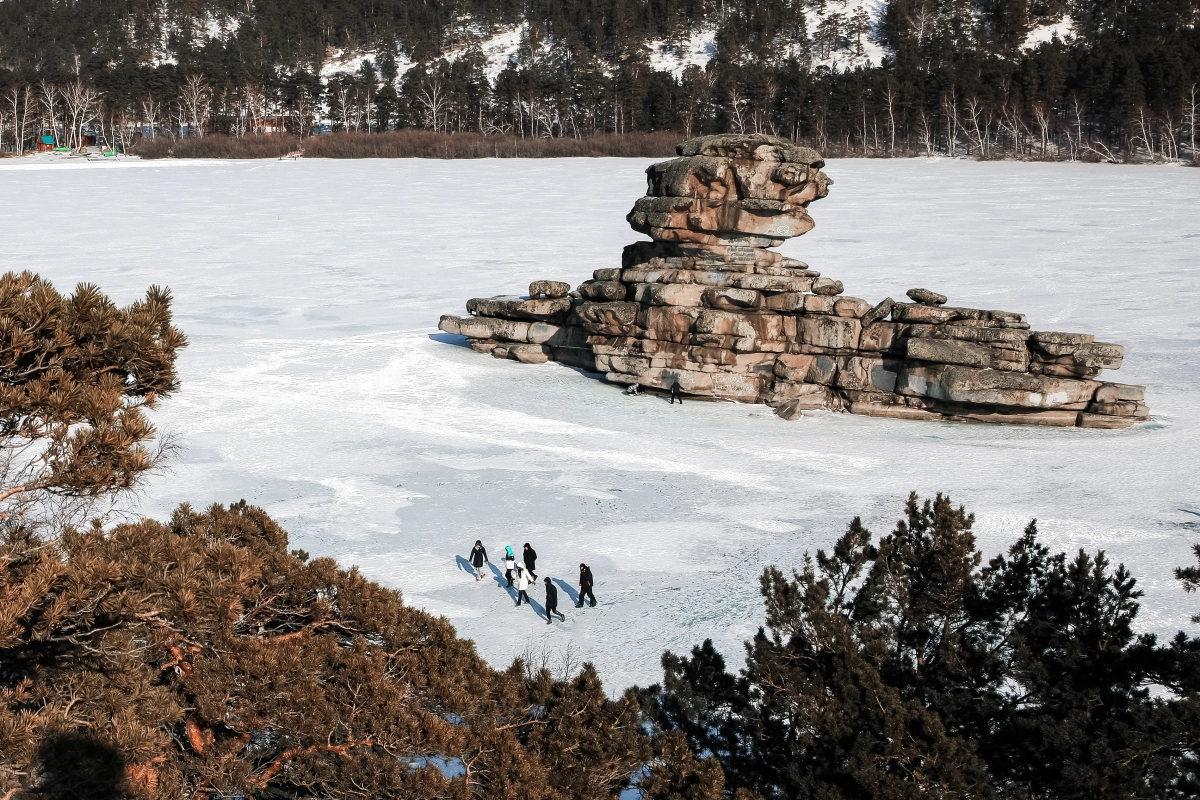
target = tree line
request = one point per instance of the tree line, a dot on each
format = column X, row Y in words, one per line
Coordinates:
column 201, row 657
column 954, row 77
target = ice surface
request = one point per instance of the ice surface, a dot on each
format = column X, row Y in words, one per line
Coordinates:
column 316, row 386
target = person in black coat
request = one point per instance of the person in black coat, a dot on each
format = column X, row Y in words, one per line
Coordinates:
column 530, row 559
column 585, row 586
column 552, row 603
column 676, row 393
column 478, row 559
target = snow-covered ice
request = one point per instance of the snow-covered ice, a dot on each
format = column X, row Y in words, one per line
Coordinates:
column 316, row 384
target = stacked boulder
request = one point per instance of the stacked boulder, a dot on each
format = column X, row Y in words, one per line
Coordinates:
column 708, row 305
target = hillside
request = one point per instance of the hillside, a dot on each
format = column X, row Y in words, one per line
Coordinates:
column 1042, row 79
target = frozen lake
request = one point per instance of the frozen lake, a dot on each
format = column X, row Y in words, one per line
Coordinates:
column 312, row 387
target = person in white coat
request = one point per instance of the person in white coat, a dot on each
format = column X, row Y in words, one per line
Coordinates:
column 523, row 582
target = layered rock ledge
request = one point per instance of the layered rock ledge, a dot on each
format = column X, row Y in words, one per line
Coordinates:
column 709, row 306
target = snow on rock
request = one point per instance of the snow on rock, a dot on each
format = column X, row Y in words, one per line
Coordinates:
column 316, row 385
column 1063, row 30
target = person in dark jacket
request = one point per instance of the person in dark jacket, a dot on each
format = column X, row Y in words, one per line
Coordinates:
column 530, row 559
column 478, row 559
column 552, row 603
column 585, row 586
column 676, row 393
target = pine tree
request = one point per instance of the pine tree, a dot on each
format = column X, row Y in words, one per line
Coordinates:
column 1190, row 577
column 76, row 376
column 897, row 670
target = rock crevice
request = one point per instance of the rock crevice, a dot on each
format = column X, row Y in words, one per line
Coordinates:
column 708, row 305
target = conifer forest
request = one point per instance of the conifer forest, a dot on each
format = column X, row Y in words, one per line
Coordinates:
column 1030, row 79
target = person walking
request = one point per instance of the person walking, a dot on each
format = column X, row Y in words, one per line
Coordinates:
column 529, row 556
column 676, row 393
column 510, row 565
column 523, row 581
column 585, row 586
column 478, row 559
column 552, row 603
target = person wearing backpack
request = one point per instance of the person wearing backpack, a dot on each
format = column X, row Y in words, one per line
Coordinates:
column 510, row 565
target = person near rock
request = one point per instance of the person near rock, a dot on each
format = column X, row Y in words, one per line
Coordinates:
column 552, row 603
column 585, row 586
column 523, row 581
column 676, row 393
column 510, row 564
column 529, row 556
column 478, row 559
column 633, row 388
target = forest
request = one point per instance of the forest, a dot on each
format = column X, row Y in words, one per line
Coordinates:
column 1033, row 79
column 200, row 656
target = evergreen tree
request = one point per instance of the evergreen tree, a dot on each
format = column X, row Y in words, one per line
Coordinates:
column 76, row 376
column 902, row 669
column 1190, row 577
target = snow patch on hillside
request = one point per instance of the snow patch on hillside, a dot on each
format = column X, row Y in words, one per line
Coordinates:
column 1063, row 30
column 499, row 50
column 698, row 50
column 841, row 35
column 349, row 62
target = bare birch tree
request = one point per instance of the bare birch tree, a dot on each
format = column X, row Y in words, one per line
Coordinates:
column 976, row 113
column 151, row 108
column 81, row 102
column 1189, row 114
column 20, row 101
column 925, row 134
column 1143, row 132
column 434, row 98
column 1043, row 118
column 890, row 96
column 950, row 109
column 48, row 99
column 737, row 106
column 196, row 97
column 256, row 106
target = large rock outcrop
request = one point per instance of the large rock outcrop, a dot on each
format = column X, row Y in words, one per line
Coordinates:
column 708, row 305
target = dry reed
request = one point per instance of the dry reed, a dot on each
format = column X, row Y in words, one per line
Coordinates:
column 411, row 143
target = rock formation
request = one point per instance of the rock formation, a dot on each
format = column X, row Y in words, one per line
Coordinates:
column 709, row 305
